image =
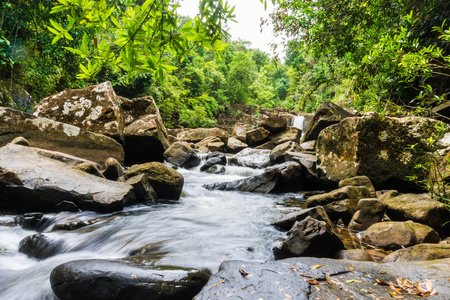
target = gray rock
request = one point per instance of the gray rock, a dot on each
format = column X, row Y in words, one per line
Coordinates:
column 115, row 279
column 291, row 134
column 252, row 158
column 234, row 145
column 143, row 189
column 90, row 168
column 42, row 183
column 284, row 280
column 277, row 155
column 40, row 246
column 181, row 155
column 370, row 211
column 317, row 213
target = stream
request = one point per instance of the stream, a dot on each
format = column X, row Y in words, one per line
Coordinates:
column 201, row 230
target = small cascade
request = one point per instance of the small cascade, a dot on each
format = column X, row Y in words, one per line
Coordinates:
column 299, row 122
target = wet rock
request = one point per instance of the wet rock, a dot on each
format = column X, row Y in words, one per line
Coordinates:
column 240, row 132
column 317, row 213
column 234, row 145
column 354, row 254
column 257, row 136
column 56, row 136
column 309, row 237
column 215, row 169
column 40, row 246
column 198, row 134
column 309, row 145
column 112, row 169
column 363, row 181
column 326, row 115
column 219, row 155
column 277, row 154
column 283, row 280
column 90, row 168
column 142, row 188
column 291, row 134
column 114, row 279
column 62, row 183
column 377, row 147
column 74, row 225
column 395, row 235
column 281, row 178
column 252, row 158
column 182, row 155
column 67, row 206
column 211, row 162
column 420, row 252
column 274, row 124
column 370, row 211
column 20, row 141
column 418, row 208
column 167, row 182
column 33, row 221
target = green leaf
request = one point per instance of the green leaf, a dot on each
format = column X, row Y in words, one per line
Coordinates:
column 56, row 25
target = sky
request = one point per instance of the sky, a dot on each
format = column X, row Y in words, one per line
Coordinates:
column 248, row 14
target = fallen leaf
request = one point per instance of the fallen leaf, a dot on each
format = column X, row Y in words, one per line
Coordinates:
column 351, row 268
column 331, row 281
column 318, row 288
column 243, row 273
column 289, row 296
column 222, row 281
column 305, row 275
column 395, row 295
column 383, row 272
column 293, row 269
column 316, row 267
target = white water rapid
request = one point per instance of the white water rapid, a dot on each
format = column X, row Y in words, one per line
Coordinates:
column 200, row 230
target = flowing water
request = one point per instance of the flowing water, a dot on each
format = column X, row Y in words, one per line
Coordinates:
column 299, row 122
column 200, row 230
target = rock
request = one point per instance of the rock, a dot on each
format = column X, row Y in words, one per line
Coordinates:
column 240, row 132
column 354, row 254
column 144, row 191
column 95, row 108
column 395, row 235
column 347, row 192
column 198, row 134
column 112, row 169
column 114, row 279
column 252, row 158
column 55, row 136
column 418, row 208
column 326, row 115
column 167, row 182
column 359, row 181
column 266, row 146
column 309, row 237
column 257, row 136
column 203, row 145
column 40, row 246
column 15, row 96
column 283, row 280
column 220, row 155
column 342, row 210
column 216, row 146
column 234, row 145
column 20, row 141
column 419, row 252
column 282, row 178
column 74, row 225
column 291, row 134
column 370, row 211
column 181, row 155
column 317, row 213
column 146, row 140
column 62, row 183
column 274, row 124
column 377, row 147
column 309, row 145
column 90, row 168
column 67, row 206
column 211, row 162
column 63, row 157
column 277, row 154
column 215, row 169
column 33, row 221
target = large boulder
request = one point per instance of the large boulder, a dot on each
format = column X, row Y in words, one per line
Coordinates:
column 309, row 237
column 321, row 278
column 31, row 182
column 375, row 146
column 326, row 115
column 274, row 123
column 418, row 208
column 167, row 182
column 95, row 108
column 281, row 178
column 135, row 123
column 240, row 131
column 56, row 136
column 420, row 252
column 395, row 235
column 198, row 134
column 182, row 155
column 370, row 211
column 40, row 246
column 234, row 145
column 121, row 279
column 318, row 213
column 257, row 136
column 277, row 154
column 291, row 134
column 252, row 158
column 15, row 96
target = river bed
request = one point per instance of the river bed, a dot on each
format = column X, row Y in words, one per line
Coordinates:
column 200, row 230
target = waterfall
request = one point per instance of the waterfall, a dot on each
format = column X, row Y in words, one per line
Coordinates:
column 299, row 122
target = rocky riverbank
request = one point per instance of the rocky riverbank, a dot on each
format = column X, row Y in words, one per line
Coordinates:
column 70, row 156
